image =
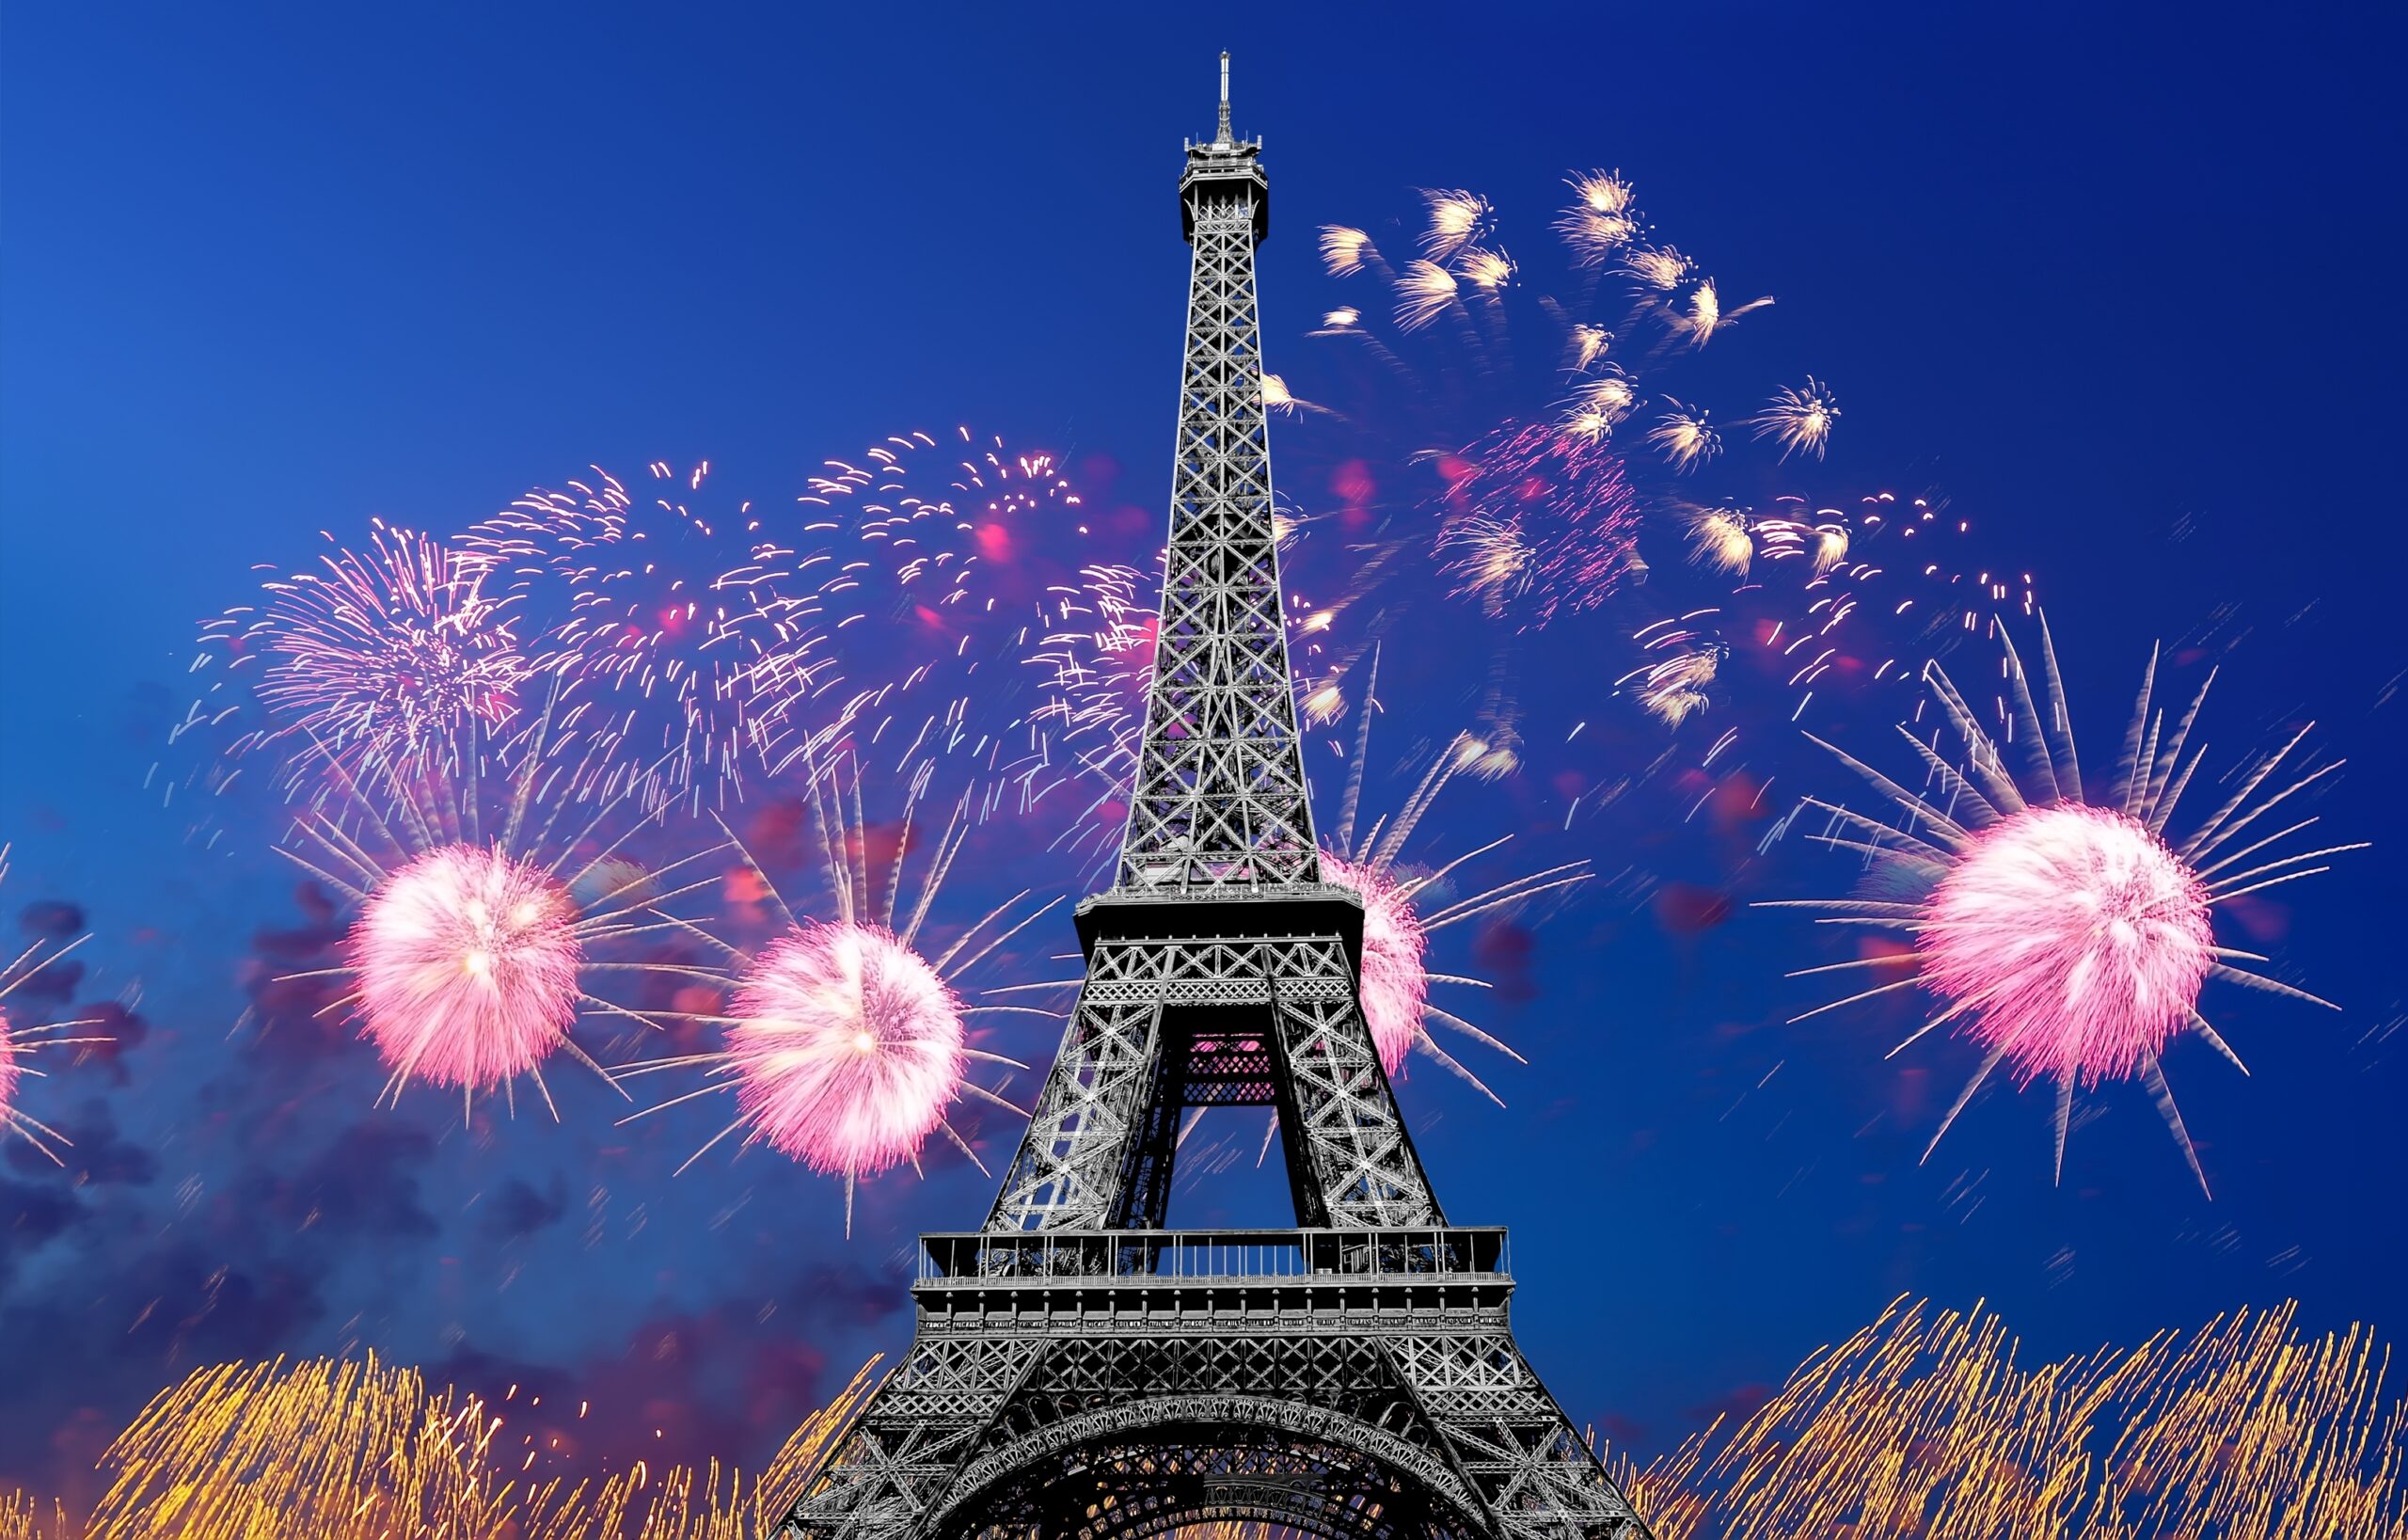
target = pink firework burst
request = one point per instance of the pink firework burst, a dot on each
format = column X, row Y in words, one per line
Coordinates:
column 467, row 961
column 846, row 1047
column 2075, row 937
column 18, row 1040
column 1396, row 930
column 846, row 1043
column 387, row 653
column 470, row 955
column 2070, row 940
column 1396, row 982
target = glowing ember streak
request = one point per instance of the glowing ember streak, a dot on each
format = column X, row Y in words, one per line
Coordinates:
column 1424, row 291
column 1537, row 524
column 1342, row 250
column 2069, row 940
column 1456, row 220
column 1799, row 420
column 9, row 1073
column 353, row 1449
column 1720, row 538
column 847, row 1048
column 1685, row 437
column 386, row 653
column 468, row 960
column 1396, row 985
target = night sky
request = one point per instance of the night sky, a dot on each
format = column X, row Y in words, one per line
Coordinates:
column 2119, row 290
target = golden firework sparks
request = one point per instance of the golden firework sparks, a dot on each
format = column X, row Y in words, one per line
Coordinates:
column 1342, row 250
column 1800, row 420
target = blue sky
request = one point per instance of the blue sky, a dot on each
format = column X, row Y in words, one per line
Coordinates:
column 2118, row 284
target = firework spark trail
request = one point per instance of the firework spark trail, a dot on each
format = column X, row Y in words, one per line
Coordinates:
column 686, row 644
column 1922, row 1426
column 356, row 1450
column 1799, row 418
column 1671, row 684
column 2067, row 938
column 19, row 1040
column 385, row 654
column 1398, row 916
column 846, row 1043
column 937, row 566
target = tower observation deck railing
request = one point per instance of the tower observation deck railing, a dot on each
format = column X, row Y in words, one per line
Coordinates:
column 981, row 1258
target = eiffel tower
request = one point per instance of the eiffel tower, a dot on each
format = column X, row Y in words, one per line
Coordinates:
column 1078, row 1371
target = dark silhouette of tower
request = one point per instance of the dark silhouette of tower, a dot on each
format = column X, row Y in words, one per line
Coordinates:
column 1080, row 1371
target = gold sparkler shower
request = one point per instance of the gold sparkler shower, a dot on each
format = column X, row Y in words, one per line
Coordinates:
column 1925, row 1425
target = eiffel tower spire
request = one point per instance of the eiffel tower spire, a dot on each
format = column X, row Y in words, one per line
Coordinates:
column 1219, row 800
column 1080, row 1371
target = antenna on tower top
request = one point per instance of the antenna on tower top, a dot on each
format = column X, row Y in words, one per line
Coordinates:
column 1224, row 138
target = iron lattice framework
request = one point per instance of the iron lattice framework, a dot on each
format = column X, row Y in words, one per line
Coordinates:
column 1079, row 1372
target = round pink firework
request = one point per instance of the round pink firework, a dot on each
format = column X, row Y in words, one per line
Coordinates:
column 1396, row 986
column 467, row 961
column 847, row 1047
column 2069, row 939
column 2075, row 937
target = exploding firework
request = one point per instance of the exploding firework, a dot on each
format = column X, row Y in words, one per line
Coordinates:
column 1396, row 932
column 1684, row 437
column 2068, row 940
column 1799, row 420
column 19, row 1040
column 1530, row 524
column 471, row 954
column 1456, row 220
column 846, row 1044
column 946, row 588
column 1671, row 684
column 685, row 640
column 389, row 654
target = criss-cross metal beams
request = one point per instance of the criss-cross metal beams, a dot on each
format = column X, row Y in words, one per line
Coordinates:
column 1219, row 798
column 1097, row 1153
column 1079, row 1372
column 1376, row 1393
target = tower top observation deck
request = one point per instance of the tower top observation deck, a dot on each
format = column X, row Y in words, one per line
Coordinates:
column 1222, row 164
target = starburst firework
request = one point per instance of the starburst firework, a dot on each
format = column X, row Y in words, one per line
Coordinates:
column 2068, row 940
column 844, row 1042
column 19, row 1040
column 388, row 653
column 472, row 950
